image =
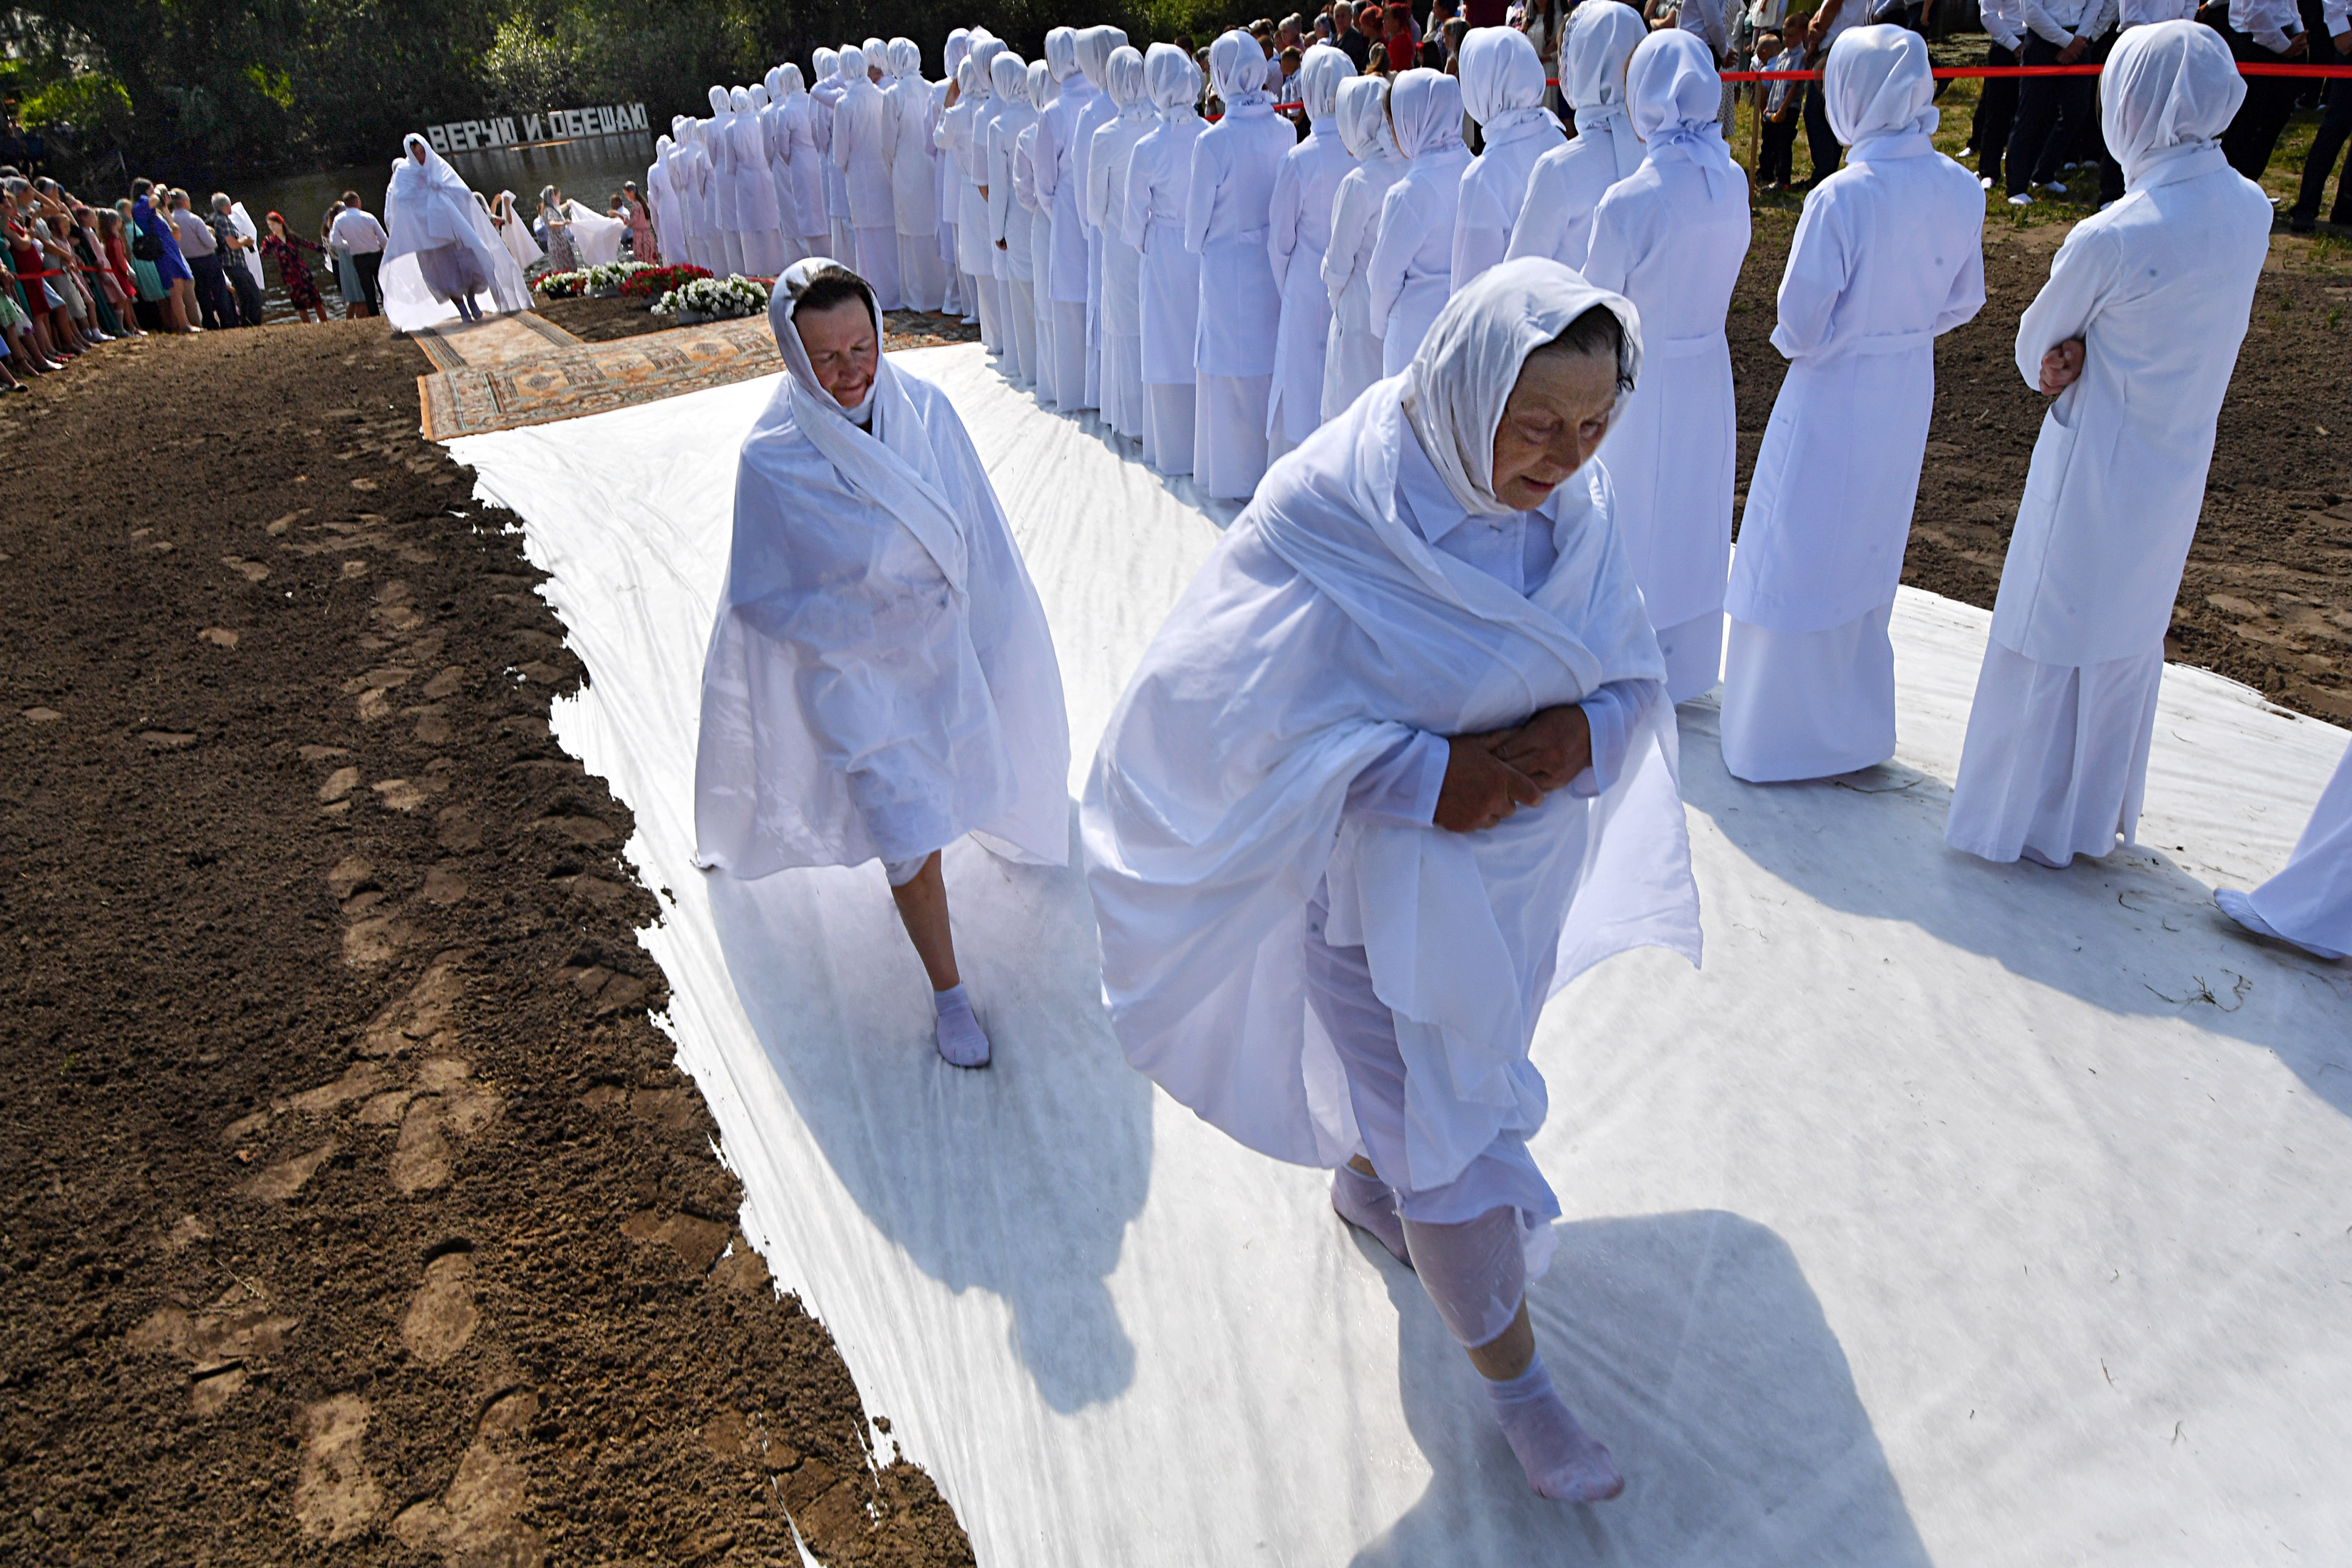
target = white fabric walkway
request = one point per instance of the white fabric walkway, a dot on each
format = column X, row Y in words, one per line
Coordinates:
column 1954, row 1213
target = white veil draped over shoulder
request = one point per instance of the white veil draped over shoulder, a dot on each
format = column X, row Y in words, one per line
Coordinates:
column 428, row 204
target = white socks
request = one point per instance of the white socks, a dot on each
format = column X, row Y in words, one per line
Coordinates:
column 1366, row 1203
column 1561, row 1457
column 961, row 1039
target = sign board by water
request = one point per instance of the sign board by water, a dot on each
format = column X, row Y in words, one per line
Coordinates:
column 525, row 130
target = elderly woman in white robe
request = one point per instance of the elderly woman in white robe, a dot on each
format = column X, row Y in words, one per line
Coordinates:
column 1567, row 182
column 1351, row 359
column 1227, row 210
column 1298, row 233
column 442, row 252
column 1159, row 183
column 1671, row 237
column 1120, row 394
column 914, row 185
column 880, row 680
column 1410, row 272
column 1503, row 90
column 1011, row 229
column 2135, row 336
column 2309, row 903
column 863, row 136
column 1888, row 257
column 1397, row 768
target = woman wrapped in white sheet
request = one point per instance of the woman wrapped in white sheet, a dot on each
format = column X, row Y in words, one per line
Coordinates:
column 1010, row 227
column 1226, row 209
column 862, row 138
column 1352, row 362
column 1298, row 233
column 946, row 179
column 1397, row 767
column 1410, row 272
column 914, row 186
column 1567, row 182
column 1159, row 181
column 880, row 680
column 1888, row 257
column 1503, row 90
column 805, row 163
column 968, row 153
column 2309, row 903
column 1121, row 393
column 443, row 250
column 2135, row 335
column 1670, row 237
column 1032, row 187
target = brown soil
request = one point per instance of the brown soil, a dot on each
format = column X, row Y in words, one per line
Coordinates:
column 601, row 321
column 2267, row 597
column 352, row 1206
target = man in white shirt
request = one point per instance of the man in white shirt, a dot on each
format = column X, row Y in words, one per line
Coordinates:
column 202, row 248
column 2004, row 26
column 356, row 235
column 2334, row 128
column 2057, row 33
column 1833, row 18
column 2263, row 32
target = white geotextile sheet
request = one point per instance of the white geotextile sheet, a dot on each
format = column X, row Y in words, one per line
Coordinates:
column 1955, row 1212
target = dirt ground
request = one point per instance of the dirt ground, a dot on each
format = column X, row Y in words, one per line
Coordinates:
column 351, row 1209
column 601, row 321
column 2267, row 597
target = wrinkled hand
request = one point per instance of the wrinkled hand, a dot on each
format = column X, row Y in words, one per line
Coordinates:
column 2061, row 367
column 1550, row 748
column 1480, row 788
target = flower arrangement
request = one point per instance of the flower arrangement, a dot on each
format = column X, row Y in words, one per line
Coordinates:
column 653, row 282
column 604, row 276
column 711, row 299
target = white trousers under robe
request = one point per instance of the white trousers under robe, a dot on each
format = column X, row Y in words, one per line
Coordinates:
column 1808, row 705
column 922, row 276
column 877, row 263
column 1168, row 426
column 1021, row 314
column 1049, row 387
column 764, row 252
column 2055, row 761
column 1122, row 384
column 1229, row 433
column 1070, row 382
column 1694, row 652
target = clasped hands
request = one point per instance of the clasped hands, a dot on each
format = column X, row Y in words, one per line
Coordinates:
column 1489, row 777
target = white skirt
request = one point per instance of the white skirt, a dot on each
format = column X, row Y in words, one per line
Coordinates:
column 1070, row 355
column 764, row 252
column 1694, row 655
column 877, row 263
column 1808, row 705
column 2055, row 761
column 1021, row 325
column 1229, row 433
column 922, row 273
column 2311, row 901
column 1167, row 427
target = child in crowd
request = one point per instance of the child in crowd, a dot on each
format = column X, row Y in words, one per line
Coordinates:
column 1774, row 166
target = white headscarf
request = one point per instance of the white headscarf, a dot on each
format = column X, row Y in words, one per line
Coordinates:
column 828, row 65
column 851, row 64
column 1061, row 51
column 1010, row 78
column 1880, row 95
column 1123, row 79
column 1458, row 383
column 1673, row 94
column 878, row 445
column 1319, row 75
column 1042, row 89
column 1424, row 110
column 983, row 56
column 1361, row 108
column 875, row 54
column 740, row 99
column 788, row 76
column 1093, row 52
column 971, row 87
column 720, row 106
column 1237, row 70
column 1173, row 80
column 2169, row 90
column 1503, row 84
column 906, row 59
column 958, row 49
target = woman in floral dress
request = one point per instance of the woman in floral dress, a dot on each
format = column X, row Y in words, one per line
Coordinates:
column 561, row 254
column 284, row 246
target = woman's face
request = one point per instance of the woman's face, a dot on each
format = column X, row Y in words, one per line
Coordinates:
column 1552, row 425
column 842, row 349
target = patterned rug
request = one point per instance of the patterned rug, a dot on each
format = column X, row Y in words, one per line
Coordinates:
column 507, row 390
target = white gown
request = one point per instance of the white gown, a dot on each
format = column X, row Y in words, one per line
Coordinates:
column 2310, row 901
column 1352, row 361
column 1566, row 183
column 1229, row 202
column 1503, row 90
column 440, row 243
column 1411, row 273
column 863, row 134
column 1306, row 186
column 1159, row 180
column 914, row 186
column 1120, row 394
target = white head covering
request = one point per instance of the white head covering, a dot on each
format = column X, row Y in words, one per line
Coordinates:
column 1061, row 51
column 827, row 62
column 1361, row 108
column 958, row 51
column 1503, row 82
column 1094, row 49
column 1009, row 76
column 740, row 99
column 1123, row 79
column 1424, row 111
column 1237, row 70
column 906, row 57
column 789, row 76
column 851, row 64
column 718, row 102
column 1319, row 75
column 757, row 93
column 2169, row 88
column 1042, row 89
column 970, row 86
column 1672, row 95
column 1463, row 374
column 1879, row 91
column 1602, row 36
column 984, row 51
column 1173, row 80
column 878, row 445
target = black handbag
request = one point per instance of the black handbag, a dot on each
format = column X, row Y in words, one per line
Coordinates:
column 145, row 246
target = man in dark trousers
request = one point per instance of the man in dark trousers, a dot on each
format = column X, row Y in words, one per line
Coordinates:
column 2057, row 33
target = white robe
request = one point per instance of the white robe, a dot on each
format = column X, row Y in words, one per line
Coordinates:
column 1298, row 234
column 1159, row 181
column 2160, row 286
column 881, row 679
column 596, row 237
column 1323, row 632
column 426, row 207
column 1672, row 243
column 2310, row 901
column 862, row 133
column 1887, row 257
column 1108, row 157
column 804, row 169
column 1411, row 273
column 1502, row 90
column 1352, row 362
column 1227, row 207
column 1566, row 183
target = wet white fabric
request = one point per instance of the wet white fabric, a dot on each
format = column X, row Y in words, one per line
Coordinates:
column 1671, row 237
column 2310, row 901
column 879, row 680
column 1888, row 257
column 1851, row 1205
column 1298, row 233
column 1567, row 182
column 1410, row 271
column 1352, row 362
column 1159, row 183
column 1120, row 393
column 1502, row 90
column 428, row 207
